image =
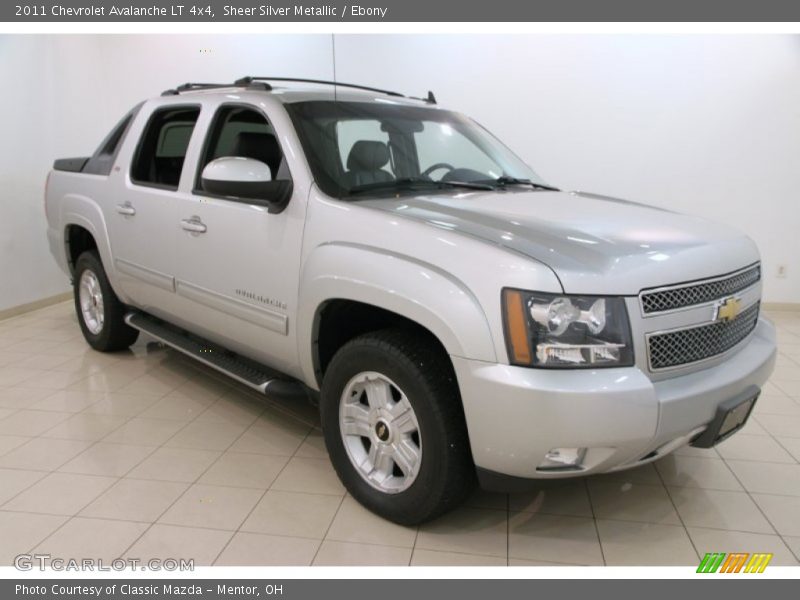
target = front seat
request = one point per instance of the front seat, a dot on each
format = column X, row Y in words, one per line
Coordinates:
column 365, row 163
column 259, row 146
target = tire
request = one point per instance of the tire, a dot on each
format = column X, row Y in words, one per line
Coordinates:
column 102, row 321
column 416, row 373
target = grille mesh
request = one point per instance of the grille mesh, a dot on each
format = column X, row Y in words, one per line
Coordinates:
column 686, row 346
column 679, row 297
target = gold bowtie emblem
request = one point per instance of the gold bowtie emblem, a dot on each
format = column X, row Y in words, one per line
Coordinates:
column 728, row 309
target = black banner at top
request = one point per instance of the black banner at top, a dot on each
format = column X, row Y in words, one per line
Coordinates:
column 399, row 10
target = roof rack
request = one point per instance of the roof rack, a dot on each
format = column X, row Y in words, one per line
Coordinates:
column 193, row 87
column 261, row 83
column 248, row 80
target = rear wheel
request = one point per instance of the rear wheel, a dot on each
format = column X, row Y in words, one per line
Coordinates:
column 100, row 313
column 394, row 426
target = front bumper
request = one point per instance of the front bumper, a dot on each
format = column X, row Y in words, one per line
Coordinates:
column 515, row 415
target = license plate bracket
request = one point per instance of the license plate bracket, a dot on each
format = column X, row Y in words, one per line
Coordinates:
column 730, row 417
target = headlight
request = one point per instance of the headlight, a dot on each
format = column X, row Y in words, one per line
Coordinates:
column 558, row 331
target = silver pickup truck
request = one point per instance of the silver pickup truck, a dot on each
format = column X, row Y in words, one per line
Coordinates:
column 455, row 317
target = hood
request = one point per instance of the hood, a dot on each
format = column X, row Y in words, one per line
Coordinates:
column 594, row 244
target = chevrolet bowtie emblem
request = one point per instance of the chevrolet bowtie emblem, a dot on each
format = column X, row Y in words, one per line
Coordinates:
column 728, row 309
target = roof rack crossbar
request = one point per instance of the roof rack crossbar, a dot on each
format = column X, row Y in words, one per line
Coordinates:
column 248, row 80
column 192, row 87
column 200, row 86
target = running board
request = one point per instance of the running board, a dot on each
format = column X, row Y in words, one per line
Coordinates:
column 240, row 368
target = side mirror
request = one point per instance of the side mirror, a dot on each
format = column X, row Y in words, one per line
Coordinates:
column 246, row 179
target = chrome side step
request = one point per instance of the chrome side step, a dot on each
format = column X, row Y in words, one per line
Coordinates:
column 243, row 370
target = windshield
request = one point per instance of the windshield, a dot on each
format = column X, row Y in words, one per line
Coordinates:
column 370, row 148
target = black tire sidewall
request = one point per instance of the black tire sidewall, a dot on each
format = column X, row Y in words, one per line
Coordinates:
column 410, row 505
column 91, row 261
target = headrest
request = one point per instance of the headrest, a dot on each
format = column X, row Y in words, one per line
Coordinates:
column 367, row 155
column 260, row 146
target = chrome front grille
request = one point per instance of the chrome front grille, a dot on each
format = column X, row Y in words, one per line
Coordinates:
column 691, row 294
column 693, row 344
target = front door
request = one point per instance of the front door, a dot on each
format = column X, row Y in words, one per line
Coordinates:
column 238, row 265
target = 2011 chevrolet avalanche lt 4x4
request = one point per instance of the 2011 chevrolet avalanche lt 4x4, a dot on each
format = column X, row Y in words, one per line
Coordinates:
column 456, row 317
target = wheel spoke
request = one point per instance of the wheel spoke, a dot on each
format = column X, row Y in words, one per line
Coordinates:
column 356, row 421
column 406, row 455
column 385, row 462
column 403, row 419
column 85, row 294
column 372, row 456
column 381, row 459
column 378, row 394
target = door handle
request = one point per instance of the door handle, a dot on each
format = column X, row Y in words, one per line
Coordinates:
column 195, row 225
column 126, row 209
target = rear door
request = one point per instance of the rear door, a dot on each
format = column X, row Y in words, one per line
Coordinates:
column 238, row 265
column 142, row 215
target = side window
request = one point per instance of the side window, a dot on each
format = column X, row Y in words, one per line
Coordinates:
column 242, row 131
column 439, row 142
column 162, row 148
column 174, row 139
column 357, row 131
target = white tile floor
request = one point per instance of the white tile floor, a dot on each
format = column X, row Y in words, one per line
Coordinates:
column 146, row 454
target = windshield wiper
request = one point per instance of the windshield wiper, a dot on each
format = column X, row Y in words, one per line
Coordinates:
column 504, row 181
column 412, row 182
column 472, row 185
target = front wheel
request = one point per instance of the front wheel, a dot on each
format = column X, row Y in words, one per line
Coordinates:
column 100, row 313
column 394, row 426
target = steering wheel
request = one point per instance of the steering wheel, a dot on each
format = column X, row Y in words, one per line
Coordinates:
column 442, row 165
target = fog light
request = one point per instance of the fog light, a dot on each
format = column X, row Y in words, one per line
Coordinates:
column 562, row 459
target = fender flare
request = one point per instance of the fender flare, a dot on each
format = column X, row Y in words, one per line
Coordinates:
column 416, row 290
column 82, row 211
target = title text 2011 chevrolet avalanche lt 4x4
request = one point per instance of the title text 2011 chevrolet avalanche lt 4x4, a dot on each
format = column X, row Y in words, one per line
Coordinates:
column 456, row 317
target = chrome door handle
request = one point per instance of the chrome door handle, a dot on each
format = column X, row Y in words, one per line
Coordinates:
column 126, row 209
column 195, row 225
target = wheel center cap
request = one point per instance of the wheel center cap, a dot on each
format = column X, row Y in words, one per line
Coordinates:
column 382, row 431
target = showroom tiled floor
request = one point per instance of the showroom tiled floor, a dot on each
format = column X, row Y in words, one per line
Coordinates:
column 145, row 454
